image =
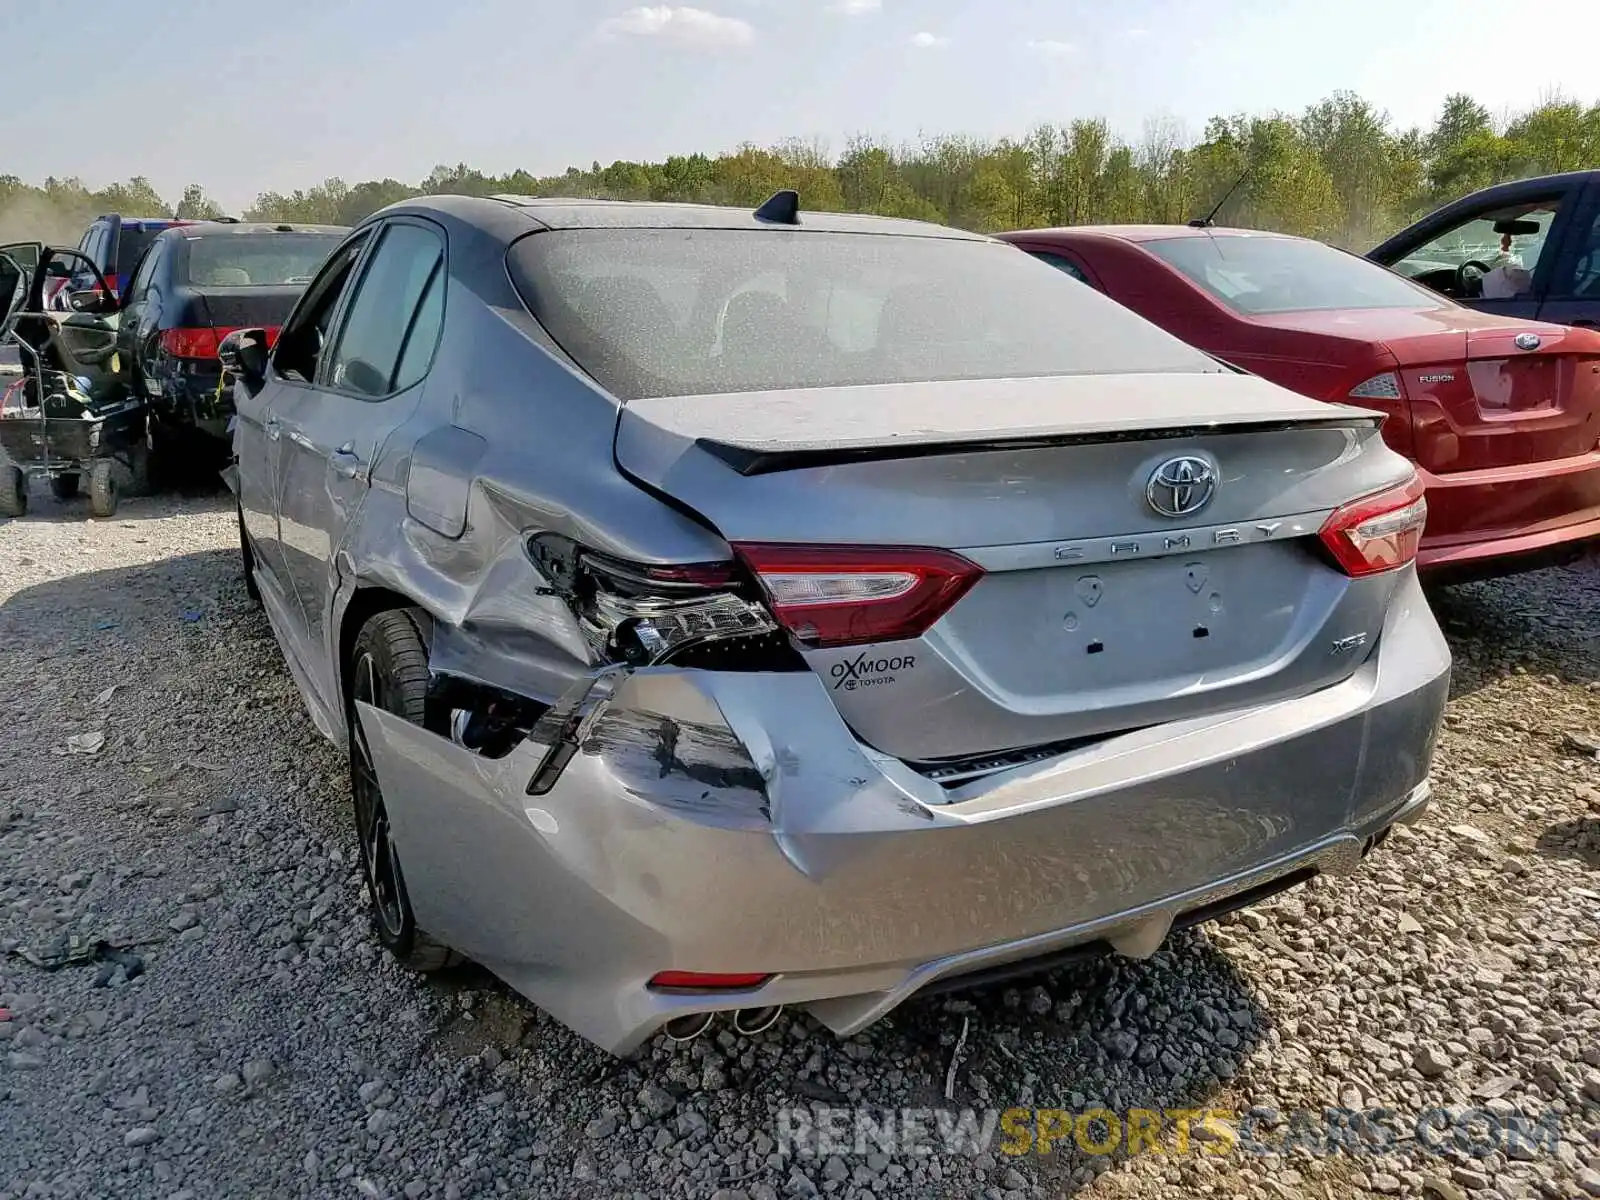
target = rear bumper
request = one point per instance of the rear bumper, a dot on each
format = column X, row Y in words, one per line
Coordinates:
column 190, row 399
column 1511, row 519
column 731, row 822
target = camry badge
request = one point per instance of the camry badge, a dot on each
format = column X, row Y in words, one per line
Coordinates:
column 1529, row 341
column 1181, row 487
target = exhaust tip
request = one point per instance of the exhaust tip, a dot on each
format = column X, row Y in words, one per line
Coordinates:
column 747, row 1022
column 687, row 1027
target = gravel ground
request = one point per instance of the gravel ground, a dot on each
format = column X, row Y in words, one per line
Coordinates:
column 260, row 1045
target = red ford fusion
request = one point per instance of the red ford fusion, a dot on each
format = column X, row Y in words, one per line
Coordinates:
column 1501, row 416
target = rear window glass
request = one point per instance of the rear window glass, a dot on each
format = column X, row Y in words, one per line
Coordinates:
column 1275, row 275
column 256, row 260
column 671, row 312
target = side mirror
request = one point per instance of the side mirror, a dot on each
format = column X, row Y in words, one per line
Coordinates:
column 244, row 353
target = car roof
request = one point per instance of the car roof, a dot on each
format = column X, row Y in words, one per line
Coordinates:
column 1145, row 233
column 209, row 229
column 535, row 212
column 135, row 221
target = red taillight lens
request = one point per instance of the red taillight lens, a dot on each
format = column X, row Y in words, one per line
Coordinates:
column 842, row 595
column 1378, row 532
column 191, row 343
column 705, row 981
column 203, row 342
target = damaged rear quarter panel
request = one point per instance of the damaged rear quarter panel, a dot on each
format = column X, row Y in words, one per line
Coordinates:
column 507, row 441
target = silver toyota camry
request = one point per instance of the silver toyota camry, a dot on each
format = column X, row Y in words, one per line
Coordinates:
column 726, row 610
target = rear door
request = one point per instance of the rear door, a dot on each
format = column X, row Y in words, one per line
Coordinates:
column 367, row 385
column 1574, row 295
column 258, row 440
column 141, row 319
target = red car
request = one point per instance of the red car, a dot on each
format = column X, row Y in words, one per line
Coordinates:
column 1502, row 416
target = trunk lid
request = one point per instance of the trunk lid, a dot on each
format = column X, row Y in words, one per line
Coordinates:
column 1480, row 399
column 246, row 307
column 1095, row 613
column 1476, row 399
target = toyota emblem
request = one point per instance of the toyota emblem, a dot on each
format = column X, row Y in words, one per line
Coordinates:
column 1529, row 341
column 1181, row 487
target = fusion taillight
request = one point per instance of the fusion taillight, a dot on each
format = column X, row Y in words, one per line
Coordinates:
column 1380, row 532
column 1379, row 387
column 843, row 595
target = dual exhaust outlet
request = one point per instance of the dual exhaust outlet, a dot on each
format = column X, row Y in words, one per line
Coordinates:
column 747, row 1022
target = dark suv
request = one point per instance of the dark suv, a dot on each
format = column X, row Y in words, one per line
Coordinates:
column 114, row 243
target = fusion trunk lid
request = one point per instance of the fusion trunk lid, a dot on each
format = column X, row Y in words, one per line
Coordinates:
column 1502, row 395
column 987, row 566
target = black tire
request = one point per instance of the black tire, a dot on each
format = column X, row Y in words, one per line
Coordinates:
column 13, row 491
column 247, row 560
column 103, row 493
column 139, row 469
column 64, row 487
column 388, row 670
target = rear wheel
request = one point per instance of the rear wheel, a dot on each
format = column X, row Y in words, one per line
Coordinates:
column 103, row 494
column 13, row 491
column 389, row 671
column 139, row 468
column 64, row 487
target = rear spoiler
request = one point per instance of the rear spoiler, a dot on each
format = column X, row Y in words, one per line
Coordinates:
column 756, row 460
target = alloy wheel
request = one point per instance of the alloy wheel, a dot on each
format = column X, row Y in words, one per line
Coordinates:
column 378, row 857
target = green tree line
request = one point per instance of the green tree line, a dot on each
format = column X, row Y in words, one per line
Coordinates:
column 1340, row 171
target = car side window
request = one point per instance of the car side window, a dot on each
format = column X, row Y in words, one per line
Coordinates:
column 93, row 243
column 416, row 356
column 134, row 291
column 300, row 346
column 1490, row 255
column 387, row 305
column 1585, row 281
column 1062, row 263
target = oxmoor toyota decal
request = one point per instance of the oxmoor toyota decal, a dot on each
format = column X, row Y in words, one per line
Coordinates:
column 862, row 671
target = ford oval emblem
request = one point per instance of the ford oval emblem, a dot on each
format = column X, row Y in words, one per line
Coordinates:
column 1529, row 341
column 1180, row 487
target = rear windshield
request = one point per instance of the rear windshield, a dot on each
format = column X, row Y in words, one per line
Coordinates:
column 257, row 259
column 1276, row 275
column 672, row 312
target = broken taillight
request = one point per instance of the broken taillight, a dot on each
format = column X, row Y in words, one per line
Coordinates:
column 1380, row 532
column 842, row 595
column 648, row 613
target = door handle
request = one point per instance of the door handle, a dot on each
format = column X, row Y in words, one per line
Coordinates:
column 347, row 464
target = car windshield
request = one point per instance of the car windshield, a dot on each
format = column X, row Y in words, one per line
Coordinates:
column 257, row 259
column 1257, row 275
column 667, row 312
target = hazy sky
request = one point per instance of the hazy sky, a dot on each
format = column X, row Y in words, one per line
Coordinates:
column 282, row 93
